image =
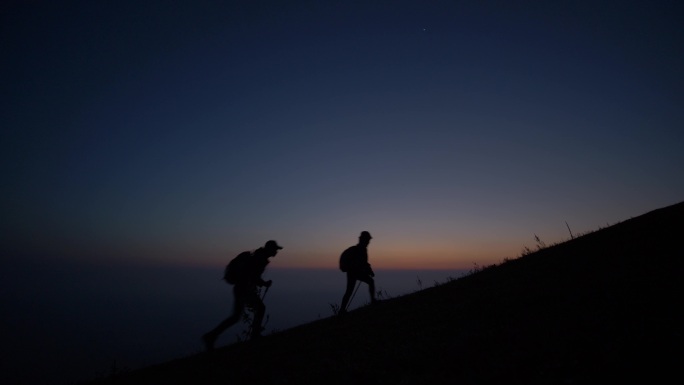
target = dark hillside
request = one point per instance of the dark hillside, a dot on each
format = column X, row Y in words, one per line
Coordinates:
column 601, row 308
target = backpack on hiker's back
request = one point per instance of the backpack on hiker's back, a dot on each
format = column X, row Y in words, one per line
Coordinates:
column 237, row 267
column 348, row 259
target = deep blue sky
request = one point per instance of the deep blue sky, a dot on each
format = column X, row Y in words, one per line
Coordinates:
column 453, row 131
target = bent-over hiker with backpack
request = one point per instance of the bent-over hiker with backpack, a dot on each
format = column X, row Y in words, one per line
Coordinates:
column 354, row 262
column 244, row 273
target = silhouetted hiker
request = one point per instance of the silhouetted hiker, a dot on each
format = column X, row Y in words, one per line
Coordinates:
column 354, row 261
column 244, row 272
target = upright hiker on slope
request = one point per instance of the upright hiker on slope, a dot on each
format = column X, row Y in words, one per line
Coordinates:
column 354, row 261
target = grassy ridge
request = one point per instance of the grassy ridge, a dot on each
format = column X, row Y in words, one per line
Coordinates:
column 600, row 308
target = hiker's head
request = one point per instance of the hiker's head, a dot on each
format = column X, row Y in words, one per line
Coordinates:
column 272, row 247
column 365, row 238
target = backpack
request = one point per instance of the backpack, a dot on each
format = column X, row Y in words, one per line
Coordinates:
column 236, row 267
column 346, row 259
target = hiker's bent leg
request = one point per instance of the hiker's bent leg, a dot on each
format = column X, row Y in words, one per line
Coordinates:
column 371, row 288
column 238, row 306
column 371, row 285
column 348, row 292
column 259, row 311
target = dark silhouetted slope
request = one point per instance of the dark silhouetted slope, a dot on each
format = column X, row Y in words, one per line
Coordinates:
column 601, row 308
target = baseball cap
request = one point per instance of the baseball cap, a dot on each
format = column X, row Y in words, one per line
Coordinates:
column 273, row 245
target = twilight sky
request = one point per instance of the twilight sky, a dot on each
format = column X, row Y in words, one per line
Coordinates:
column 453, row 131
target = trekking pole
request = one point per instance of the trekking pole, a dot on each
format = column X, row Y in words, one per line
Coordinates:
column 265, row 291
column 250, row 329
column 352, row 297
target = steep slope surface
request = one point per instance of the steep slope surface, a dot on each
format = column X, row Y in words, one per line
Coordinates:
column 600, row 308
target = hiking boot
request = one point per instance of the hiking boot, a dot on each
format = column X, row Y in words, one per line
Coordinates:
column 208, row 340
